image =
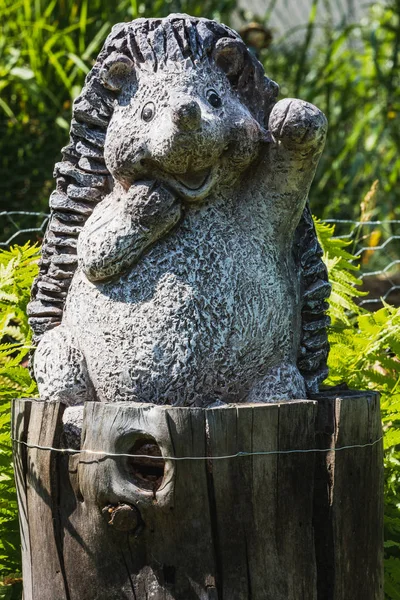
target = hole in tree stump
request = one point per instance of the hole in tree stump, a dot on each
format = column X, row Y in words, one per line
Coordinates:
column 146, row 473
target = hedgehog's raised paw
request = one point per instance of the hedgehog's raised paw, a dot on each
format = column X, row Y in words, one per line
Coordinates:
column 298, row 124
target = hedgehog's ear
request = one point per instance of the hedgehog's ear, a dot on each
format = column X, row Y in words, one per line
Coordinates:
column 116, row 70
column 229, row 54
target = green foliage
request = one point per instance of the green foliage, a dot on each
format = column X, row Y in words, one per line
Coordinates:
column 17, row 270
column 342, row 274
column 352, row 73
column 365, row 354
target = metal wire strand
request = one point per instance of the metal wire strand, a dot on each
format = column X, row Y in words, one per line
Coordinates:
column 179, row 458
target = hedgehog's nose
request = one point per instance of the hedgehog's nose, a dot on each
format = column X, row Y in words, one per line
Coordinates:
column 187, row 116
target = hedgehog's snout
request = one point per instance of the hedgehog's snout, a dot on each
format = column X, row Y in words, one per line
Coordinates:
column 187, row 116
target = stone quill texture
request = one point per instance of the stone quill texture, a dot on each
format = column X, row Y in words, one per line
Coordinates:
column 181, row 265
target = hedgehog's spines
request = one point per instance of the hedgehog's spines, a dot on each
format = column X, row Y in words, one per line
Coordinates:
column 314, row 346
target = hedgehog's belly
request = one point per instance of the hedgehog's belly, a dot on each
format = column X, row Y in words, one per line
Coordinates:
column 188, row 325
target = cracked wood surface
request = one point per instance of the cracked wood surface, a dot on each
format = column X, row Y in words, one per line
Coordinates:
column 304, row 526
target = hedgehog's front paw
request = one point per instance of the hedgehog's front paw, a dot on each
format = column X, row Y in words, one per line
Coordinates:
column 152, row 203
column 298, row 124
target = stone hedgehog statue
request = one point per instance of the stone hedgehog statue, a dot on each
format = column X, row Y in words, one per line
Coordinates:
column 181, row 265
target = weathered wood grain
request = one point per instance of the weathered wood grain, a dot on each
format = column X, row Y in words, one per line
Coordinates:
column 263, row 504
column 20, row 421
column 349, row 504
column 297, row 526
column 172, row 551
column 42, row 423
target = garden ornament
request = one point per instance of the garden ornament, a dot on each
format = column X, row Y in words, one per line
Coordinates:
column 181, row 265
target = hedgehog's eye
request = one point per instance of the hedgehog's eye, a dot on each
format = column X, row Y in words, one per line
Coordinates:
column 148, row 112
column 214, row 99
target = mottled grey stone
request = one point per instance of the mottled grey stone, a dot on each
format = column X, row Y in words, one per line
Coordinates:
column 199, row 276
column 84, row 193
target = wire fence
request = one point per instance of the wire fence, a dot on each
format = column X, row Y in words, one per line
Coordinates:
column 157, row 457
column 376, row 243
column 19, row 227
column 377, row 246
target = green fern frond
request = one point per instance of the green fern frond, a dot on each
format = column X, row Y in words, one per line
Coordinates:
column 18, row 267
column 341, row 267
column 334, row 246
column 390, row 405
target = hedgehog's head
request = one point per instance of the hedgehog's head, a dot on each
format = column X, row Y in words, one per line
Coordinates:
column 190, row 108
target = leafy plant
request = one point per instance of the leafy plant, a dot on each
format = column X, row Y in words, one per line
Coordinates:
column 18, row 267
column 342, row 271
column 365, row 354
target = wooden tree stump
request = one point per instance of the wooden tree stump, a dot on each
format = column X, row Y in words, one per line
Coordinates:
column 281, row 526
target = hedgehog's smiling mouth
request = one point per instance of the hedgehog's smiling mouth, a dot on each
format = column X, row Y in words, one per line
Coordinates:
column 194, row 180
column 194, row 185
column 191, row 185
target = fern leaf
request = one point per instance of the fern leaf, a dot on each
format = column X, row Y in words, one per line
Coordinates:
column 18, row 267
